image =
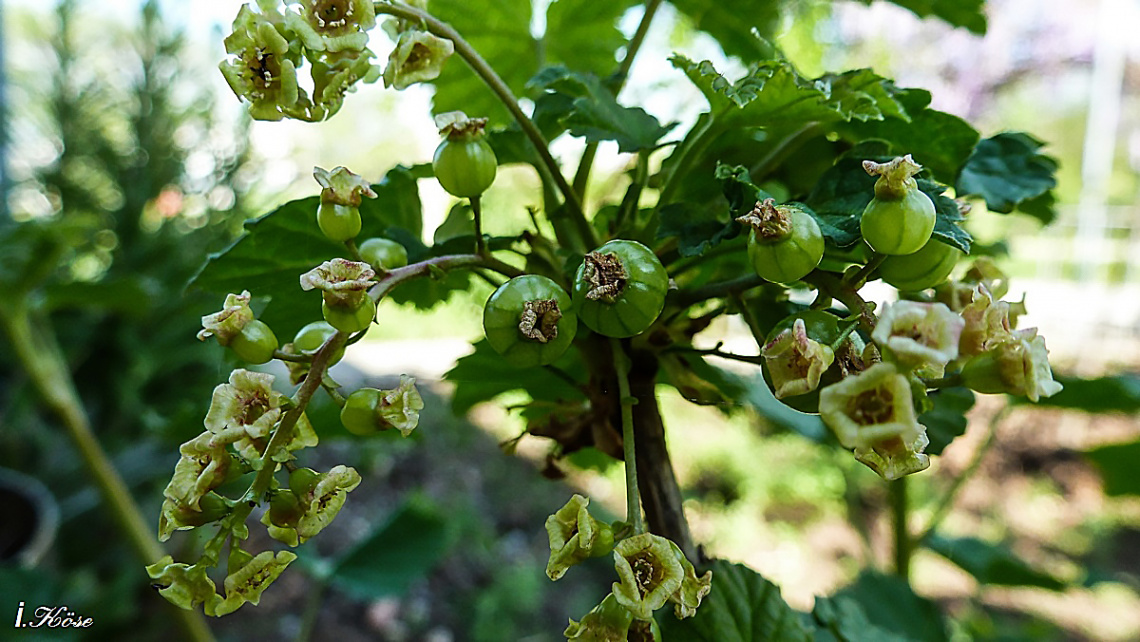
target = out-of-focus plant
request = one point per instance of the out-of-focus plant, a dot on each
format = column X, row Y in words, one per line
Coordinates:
column 123, row 179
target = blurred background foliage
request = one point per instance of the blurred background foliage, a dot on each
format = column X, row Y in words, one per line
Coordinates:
column 127, row 164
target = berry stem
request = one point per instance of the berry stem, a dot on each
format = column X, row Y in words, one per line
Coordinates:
column 856, row 281
column 395, row 277
column 477, row 210
column 903, row 544
column 629, row 451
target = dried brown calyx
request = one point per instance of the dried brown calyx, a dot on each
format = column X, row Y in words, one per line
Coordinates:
column 539, row 320
column 606, row 276
column 770, row 222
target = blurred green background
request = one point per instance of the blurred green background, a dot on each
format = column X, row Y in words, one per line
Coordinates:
column 127, row 161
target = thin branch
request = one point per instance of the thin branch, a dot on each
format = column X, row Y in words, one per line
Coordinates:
column 632, row 494
column 719, row 289
column 395, row 277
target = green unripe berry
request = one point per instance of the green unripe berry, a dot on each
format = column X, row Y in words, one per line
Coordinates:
column 338, row 222
column 350, row 320
column 925, row 268
column 310, row 338
column 465, row 167
column 303, row 480
column 359, row 413
column 255, row 343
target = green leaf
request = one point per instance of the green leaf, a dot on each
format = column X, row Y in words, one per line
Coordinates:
column 742, row 607
column 991, row 563
column 701, row 382
column 772, row 93
column 697, row 228
column 1007, row 169
column 280, row 246
column 960, row 13
column 499, row 31
column 1118, row 393
column 584, row 34
column 394, row 556
column 845, row 621
column 861, row 94
column 890, row 603
column 1042, row 208
column 947, row 420
column 594, row 113
column 939, row 141
column 744, row 38
column 1117, row 466
column 484, row 375
column 580, row 34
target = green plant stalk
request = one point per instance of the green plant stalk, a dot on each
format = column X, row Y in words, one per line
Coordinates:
column 40, row 355
column 477, row 212
column 834, row 287
column 629, row 451
column 904, row 545
column 284, row 430
column 582, row 175
column 500, row 88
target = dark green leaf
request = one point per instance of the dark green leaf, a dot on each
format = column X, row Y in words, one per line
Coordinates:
column 947, row 420
column 741, row 193
column 844, row 620
column 595, row 114
column 742, row 607
column 991, row 563
column 1042, row 208
column 946, row 225
column 703, row 383
column 744, row 38
column 697, row 228
column 499, row 31
column 1119, row 393
column 1007, row 169
column 890, row 604
column 395, row 555
column 127, row 295
column 960, row 13
column 483, row 375
column 280, row 246
column 939, row 141
column 580, row 34
column 584, row 34
column 1117, row 466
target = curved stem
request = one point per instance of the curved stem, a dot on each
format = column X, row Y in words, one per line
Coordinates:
column 395, row 277
column 719, row 289
column 39, row 353
column 629, row 451
column 847, row 295
column 500, row 88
